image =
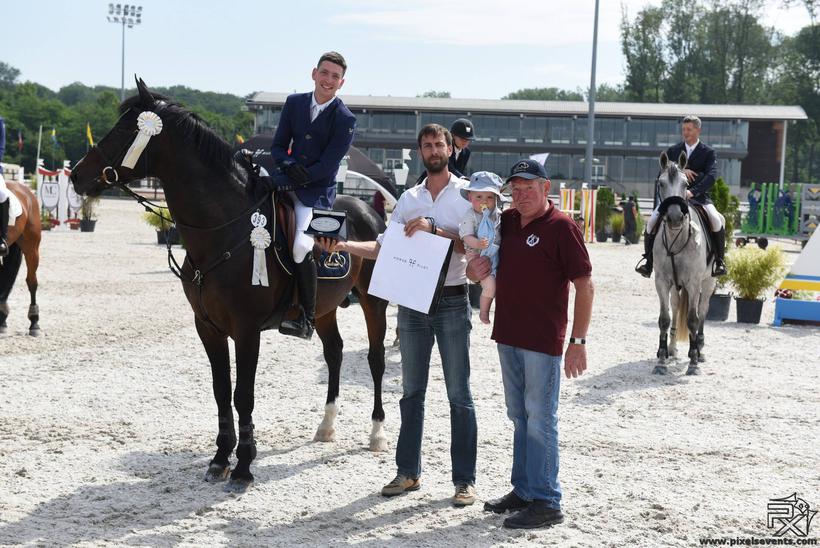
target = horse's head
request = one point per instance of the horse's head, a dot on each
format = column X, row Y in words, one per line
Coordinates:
column 120, row 156
column 672, row 186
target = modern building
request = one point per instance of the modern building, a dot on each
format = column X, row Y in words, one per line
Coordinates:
column 749, row 139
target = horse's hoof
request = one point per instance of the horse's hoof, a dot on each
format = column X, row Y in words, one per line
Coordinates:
column 660, row 370
column 3, row 329
column 35, row 332
column 325, row 434
column 693, row 370
column 378, row 445
column 217, row 473
column 237, row 486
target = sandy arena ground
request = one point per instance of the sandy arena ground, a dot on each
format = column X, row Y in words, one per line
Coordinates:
column 107, row 422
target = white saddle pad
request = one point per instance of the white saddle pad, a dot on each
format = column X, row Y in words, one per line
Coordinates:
column 15, row 209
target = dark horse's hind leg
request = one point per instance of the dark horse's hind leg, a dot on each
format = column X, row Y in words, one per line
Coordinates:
column 375, row 314
column 32, row 262
column 247, row 355
column 332, row 346
column 216, row 346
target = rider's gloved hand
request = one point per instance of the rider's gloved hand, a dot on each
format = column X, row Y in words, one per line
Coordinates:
column 297, row 173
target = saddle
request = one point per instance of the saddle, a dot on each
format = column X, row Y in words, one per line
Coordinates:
column 330, row 266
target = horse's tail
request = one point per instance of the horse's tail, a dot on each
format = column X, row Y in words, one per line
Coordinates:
column 9, row 270
column 681, row 318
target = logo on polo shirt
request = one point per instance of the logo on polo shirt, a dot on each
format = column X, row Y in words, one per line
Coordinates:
column 532, row 240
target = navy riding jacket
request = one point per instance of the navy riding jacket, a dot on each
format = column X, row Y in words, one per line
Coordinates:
column 319, row 146
column 703, row 162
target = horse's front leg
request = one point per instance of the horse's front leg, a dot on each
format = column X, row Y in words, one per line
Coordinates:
column 664, row 321
column 247, row 355
column 694, row 324
column 216, row 346
column 375, row 314
column 332, row 346
column 32, row 263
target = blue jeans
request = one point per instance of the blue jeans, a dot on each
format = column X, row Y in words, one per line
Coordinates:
column 531, row 383
column 450, row 327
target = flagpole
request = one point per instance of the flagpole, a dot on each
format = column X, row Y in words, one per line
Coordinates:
column 39, row 141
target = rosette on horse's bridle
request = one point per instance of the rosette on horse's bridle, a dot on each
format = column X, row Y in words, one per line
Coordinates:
column 149, row 125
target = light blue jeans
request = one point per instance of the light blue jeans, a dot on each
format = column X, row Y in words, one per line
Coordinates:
column 450, row 327
column 531, row 385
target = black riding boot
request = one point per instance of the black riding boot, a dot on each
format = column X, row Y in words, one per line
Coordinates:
column 719, row 238
column 306, row 282
column 4, row 227
column 645, row 269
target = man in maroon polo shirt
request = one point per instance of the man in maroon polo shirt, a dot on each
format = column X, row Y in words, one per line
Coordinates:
column 542, row 251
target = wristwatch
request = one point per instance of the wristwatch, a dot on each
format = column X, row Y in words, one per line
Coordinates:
column 573, row 340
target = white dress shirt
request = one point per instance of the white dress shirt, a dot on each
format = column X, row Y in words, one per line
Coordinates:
column 689, row 149
column 315, row 108
column 447, row 210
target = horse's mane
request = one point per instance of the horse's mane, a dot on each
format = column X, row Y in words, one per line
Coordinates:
column 215, row 152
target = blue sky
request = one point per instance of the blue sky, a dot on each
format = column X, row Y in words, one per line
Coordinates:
column 472, row 48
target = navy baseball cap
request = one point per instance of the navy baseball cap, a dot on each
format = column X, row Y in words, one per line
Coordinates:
column 527, row 169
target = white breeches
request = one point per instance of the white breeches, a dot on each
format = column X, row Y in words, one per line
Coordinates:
column 4, row 191
column 302, row 243
column 715, row 218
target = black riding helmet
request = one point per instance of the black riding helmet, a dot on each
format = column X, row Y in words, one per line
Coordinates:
column 463, row 128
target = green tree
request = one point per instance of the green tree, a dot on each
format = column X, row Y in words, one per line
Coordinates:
column 545, row 94
column 642, row 45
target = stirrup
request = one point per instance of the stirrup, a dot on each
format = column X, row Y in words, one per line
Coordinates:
column 300, row 327
column 644, row 269
column 719, row 269
column 4, row 248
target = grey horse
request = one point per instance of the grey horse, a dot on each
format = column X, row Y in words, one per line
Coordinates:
column 682, row 273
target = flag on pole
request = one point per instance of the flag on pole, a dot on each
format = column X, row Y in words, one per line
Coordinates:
column 19, row 141
column 240, row 139
column 54, row 136
column 88, row 134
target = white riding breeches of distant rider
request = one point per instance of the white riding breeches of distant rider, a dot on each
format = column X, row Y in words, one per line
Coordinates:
column 715, row 218
column 4, row 191
column 302, row 243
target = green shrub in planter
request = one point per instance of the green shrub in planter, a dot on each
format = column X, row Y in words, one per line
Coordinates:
column 604, row 203
column 617, row 223
column 753, row 271
column 727, row 204
column 88, row 211
column 159, row 223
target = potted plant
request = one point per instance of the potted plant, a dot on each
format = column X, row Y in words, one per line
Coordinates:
column 720, row 301
column 164, row 225
column 616, row 221
column 604, row 203
column 88, row 213
column 73, row 223
column 46, row 222
column 752, row 272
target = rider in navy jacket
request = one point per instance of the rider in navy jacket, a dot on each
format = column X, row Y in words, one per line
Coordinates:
column 314, row 133
column 701, row 171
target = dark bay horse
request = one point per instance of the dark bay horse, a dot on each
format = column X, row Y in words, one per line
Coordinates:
column 683, row 268
column 208, row 195
column 24, row 241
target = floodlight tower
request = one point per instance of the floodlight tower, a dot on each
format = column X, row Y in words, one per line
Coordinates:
column 126, row 15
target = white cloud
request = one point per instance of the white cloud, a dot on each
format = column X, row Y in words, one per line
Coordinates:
column 511, row 22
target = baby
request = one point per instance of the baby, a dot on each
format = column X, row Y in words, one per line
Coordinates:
column 479, row 229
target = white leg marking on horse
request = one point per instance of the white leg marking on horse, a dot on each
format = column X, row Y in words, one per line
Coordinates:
column 326, row 431
column 378, row 440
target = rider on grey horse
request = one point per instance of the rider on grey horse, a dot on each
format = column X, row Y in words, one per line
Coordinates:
column 701, row 169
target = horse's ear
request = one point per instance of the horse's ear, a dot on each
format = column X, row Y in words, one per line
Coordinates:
column 682, row 159
column 145, row 96
column 664, row 161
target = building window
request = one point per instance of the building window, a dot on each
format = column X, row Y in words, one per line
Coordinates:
column 560, row 130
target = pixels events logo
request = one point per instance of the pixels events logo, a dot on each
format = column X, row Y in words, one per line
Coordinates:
column 789, row 514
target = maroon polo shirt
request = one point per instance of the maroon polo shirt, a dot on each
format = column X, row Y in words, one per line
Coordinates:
column 535, row 267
